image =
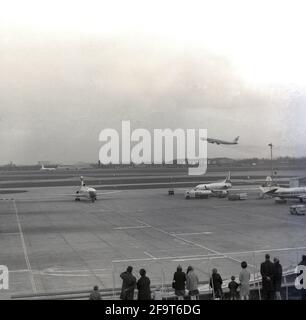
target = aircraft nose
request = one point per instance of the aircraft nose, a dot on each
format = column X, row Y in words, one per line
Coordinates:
column 92, row 194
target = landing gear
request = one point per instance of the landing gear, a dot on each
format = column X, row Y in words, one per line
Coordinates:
column 77, row 199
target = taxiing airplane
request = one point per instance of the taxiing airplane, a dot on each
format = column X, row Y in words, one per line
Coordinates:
column 43, row 168
column 218, row 141
column 284, row 193
column 89, row 193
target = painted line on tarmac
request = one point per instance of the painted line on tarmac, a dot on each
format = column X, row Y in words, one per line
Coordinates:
column 132, row 227
column 194, row 259
column 150, row 255
column 193, row 243
column 25, row 248
column 10, row 234
column 208, row 256
column 190, row 233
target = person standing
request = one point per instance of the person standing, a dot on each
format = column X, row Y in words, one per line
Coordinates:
column 244, row 278
column 233, row 287
column 143, row 286
column 267, row 273
column 95, row 294
column 192, row 283
column 216, row 284
column 128, row 284
column 178, row 284
column 278, row 276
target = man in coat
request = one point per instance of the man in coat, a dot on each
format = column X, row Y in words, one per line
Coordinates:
column 179, row 281
column 143, row 286
column 278, row 275
column 267, row 273
column 216, row 284
column 128, row 284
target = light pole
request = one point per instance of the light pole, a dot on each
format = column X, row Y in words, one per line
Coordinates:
column 271, row 147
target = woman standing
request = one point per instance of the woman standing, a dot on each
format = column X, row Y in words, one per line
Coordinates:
column 244, row 278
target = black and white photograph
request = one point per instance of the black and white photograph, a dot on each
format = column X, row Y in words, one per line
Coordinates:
column 153, row 150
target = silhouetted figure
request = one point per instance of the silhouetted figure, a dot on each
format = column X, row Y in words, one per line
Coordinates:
column 179, row 280
column 267, row 273
column 95, row 294
column 216, row 284
column 278, row 275
column 143, row 286
column 128, row 284
column 233, row 288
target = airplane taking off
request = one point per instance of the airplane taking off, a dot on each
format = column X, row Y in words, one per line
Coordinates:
column 43, row 168
column 218, row 141
column 283, row 193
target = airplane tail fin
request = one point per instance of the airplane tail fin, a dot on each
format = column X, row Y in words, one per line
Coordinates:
column 228, row 178
column 269, row 186
column 268, row 182
column 82, row 181
column 42, row 166
column 236, row 139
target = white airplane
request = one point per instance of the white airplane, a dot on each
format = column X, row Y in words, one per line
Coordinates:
column 218, row 141
column 43, row 168
column 207, row 189
column 89, row 193
column 223, row 185
column 271, row 189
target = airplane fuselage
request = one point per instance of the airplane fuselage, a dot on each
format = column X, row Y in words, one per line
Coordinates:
column 286, row 193
column 86, row 192
column 214, row 186
column 220, row 141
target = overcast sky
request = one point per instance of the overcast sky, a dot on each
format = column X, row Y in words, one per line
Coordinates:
column 68, row 69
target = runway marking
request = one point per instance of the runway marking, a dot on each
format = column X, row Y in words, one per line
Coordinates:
column 150, row 255
column 217, row 207
column 132, row 227
column 54, row 270
column 10, row 234
column 194, row 259
column 191, row 233
column 192, row 242
column 25, row 248
column 207, row 256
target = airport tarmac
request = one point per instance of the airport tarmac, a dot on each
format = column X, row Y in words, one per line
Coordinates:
column 58, row 244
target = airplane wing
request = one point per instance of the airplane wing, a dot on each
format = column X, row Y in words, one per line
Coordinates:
column 210, row 140
column 107, row 192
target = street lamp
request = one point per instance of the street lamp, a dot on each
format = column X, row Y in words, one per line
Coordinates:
column 271, row 147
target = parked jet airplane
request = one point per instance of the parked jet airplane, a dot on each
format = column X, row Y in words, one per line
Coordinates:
column 284, row 193
column 225, row 184
column 43, row 168
column 218, row 141
column 208, row 189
